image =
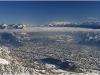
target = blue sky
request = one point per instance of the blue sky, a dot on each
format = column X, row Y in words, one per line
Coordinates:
column 42, row 12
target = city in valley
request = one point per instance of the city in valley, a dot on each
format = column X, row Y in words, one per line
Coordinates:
column 50, row 50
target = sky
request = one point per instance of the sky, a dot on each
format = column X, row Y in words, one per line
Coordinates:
column 44, row 12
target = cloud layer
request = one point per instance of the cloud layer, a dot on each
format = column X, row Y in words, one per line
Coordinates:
column 92, row 18
column 59, row 22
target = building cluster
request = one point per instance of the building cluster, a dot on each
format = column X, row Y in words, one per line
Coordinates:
column 13, row 26
column 38, row 46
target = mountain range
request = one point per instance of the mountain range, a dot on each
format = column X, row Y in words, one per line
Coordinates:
column 93, row 25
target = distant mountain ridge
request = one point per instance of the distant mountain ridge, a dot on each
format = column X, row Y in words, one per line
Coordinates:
column 13, row 26
column 93, row 25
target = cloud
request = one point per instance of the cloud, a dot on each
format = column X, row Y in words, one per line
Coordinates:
column 59, row 22
column 92, row 18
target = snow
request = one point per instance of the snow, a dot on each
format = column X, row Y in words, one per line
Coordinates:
column 3, row 61
column 50, row 66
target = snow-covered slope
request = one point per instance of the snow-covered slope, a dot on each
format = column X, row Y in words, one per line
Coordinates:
column 3, row 61
column 10, row 65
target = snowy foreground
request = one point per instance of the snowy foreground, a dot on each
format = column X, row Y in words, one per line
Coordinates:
column 3, row 61
column 10, row 66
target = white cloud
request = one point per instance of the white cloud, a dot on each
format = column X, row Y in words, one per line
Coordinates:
column 92, row 18
column 59, row 22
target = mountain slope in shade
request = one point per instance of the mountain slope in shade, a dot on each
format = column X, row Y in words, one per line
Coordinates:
column 9, row 38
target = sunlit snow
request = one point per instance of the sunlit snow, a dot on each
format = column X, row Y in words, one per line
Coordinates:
column 3, row 61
